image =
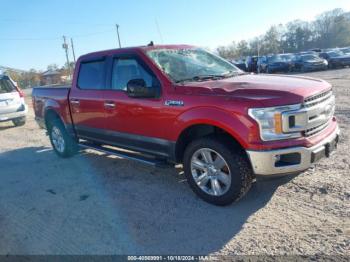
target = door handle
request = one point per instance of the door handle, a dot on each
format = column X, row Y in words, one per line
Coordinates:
column 109, row 104
column 75, row 101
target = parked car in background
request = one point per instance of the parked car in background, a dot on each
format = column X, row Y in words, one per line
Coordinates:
column 318, row 50
column 240, row 63
column 336, row 58
column 310, row 52
column 12, row 105
column 309, row 62
column 273, row 64
column 251, row 63
column 345, row 50
column 261, row 64
column 289, row 58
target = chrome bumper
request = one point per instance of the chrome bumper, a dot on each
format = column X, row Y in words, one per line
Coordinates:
column 264, row 162
column 13, row 115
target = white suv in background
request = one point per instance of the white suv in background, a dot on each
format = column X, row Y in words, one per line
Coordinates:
column 12, row 105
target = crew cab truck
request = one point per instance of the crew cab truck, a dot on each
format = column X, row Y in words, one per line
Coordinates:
column 181, row 104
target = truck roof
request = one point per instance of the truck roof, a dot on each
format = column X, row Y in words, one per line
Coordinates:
column 133, row 49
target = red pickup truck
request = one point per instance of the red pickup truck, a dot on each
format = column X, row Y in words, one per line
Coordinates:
column 181, row 104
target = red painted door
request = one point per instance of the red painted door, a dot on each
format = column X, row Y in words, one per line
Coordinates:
column 134, row 122
column 87, row 101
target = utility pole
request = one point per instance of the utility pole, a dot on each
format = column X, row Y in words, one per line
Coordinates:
column 117, row 26
column 65, row 47
column 72, row 46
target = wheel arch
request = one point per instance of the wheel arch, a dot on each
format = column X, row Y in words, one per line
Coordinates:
column 49, row 114
column 203, row 129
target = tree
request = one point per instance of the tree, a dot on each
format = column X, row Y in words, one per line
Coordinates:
column 298, row 36
column 271, row 41
column 228, row 52
column 52, row 67
column 330, row 29
column 25, row 79
column 242, row 48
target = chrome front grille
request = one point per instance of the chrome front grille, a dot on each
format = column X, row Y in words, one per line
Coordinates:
column 320, row 109
column 313, row 116
column 314, row 130
column 317, row 99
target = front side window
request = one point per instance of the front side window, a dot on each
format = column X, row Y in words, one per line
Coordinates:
column 128, row 69
column 92, row 75
column 189, row 63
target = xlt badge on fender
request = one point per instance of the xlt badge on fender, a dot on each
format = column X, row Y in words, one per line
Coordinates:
column 174, row 103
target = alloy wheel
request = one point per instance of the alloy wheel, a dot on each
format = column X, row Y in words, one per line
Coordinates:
column 211, row 172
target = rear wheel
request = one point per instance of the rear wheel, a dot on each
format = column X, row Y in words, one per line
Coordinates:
column 62, row 143
column 19, row 121
column 216, row 173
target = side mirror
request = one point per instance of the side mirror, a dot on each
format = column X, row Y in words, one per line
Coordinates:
column 137, row 88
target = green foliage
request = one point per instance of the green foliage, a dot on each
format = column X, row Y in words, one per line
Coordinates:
column 25, row 79
column 330, row 29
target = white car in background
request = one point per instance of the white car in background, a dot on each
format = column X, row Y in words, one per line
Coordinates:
column 12, row 105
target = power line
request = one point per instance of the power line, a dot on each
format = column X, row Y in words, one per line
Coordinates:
column 13, row 20
column 53, row 38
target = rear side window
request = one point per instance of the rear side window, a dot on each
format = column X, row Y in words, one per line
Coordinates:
column 6, row 86
column 92, row 75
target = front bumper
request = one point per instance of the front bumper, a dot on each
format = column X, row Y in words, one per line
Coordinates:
column 14, row 115
column 296, row 159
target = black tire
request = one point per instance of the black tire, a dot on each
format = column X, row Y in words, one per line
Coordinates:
column 70, row 146
column 241, row 172
column 19, row 121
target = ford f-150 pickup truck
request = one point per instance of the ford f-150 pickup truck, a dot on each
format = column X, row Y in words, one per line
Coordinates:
column 176, row 104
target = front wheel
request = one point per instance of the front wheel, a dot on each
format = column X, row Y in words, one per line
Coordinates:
column 62, row 143
column 216, row 173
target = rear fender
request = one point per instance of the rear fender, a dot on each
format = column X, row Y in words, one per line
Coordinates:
column 62, row 111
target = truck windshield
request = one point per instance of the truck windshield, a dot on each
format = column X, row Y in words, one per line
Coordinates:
column 192, row 64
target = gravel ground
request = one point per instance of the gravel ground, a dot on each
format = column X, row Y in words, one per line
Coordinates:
column 97, row 204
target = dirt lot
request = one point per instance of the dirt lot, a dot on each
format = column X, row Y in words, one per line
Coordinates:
column 94, row 204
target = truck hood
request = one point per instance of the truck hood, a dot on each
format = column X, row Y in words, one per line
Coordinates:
column 268, row 90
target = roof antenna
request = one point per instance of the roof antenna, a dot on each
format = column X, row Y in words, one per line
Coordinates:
column 151, row 43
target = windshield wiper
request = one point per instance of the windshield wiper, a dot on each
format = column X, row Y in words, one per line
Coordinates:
column 232, row 74
column 211, row 77
column 201, row 78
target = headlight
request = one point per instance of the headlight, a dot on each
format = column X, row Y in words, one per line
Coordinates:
column 270, row 122
column 325, row 62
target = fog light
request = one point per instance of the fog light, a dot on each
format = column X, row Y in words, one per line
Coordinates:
column 277, row 158
column 288, row 159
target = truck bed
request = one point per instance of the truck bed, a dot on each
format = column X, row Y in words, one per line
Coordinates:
column 55, row 97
